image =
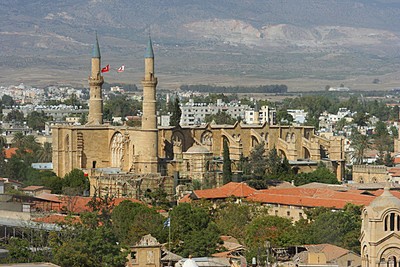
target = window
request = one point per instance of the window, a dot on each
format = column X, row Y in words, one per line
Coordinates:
column 288, row 213
column 392, row 222
column 133, row 257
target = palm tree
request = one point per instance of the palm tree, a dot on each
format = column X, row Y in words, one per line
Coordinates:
column 29, row 142
column 18, row 140
column 3, row 142
column 360, row 143
column 45, row 153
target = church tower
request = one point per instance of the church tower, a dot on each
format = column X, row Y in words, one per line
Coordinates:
column 95, row 82
column 380, row 232
column 149, row 160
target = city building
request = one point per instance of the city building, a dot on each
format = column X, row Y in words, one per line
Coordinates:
column 380, row 240
column 126, row 161
column 195, row 113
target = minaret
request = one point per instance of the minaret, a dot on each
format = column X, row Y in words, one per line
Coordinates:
column 149, row 118
column 95, row 82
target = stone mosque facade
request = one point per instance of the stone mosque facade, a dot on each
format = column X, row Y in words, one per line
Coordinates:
column 380, row 232
column 127, row 161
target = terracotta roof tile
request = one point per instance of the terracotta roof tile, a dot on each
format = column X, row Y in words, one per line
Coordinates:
column 311, row 197
column 227, row 190
column 186, row 199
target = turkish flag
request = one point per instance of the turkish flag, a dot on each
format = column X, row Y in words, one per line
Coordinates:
column 106, row 69
column 121, row 69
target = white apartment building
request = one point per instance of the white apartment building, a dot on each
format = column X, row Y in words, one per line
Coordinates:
column 195, row 113
column 265, row 114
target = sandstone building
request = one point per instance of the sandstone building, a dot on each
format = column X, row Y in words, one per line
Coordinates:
column 380, row 240
column 126, row 161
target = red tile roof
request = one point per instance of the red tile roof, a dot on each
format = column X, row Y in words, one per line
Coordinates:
column 231, row 189
column 9, row 152
column 311, row 197
column 297, row 196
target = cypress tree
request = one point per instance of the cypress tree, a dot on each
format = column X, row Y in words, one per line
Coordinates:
column 176, row 113
column 227, row 169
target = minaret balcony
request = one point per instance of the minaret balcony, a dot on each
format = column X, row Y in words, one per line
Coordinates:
column 96, row 81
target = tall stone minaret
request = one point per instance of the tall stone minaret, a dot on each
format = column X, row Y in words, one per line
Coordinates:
column 95, row 82
column 149, row 119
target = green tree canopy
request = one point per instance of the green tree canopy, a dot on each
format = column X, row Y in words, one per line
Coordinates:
column 221, row 117
column 131, row 221
column 75, row 182
column 192, row 231
column 227, row 164
column 176, row 112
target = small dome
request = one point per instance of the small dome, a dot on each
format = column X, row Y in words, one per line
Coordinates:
column 384, row 201
column 198, row 149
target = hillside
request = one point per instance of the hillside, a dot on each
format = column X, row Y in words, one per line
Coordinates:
column 299, row 42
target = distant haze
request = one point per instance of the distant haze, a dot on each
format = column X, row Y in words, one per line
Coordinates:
column 305, row 44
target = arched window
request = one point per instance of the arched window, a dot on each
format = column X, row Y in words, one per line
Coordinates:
column 392, row 262
column 288, row 137
column 188, row 166
column 392, row 222
column 117, row 149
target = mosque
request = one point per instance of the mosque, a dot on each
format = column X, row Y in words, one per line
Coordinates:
column 127, row 161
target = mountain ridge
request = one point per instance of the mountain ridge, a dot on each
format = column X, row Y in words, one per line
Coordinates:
column 335, row 39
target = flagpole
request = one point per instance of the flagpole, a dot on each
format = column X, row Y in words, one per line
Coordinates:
column 169, row 236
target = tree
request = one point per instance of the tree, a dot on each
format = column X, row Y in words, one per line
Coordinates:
column 45, row 153
column 320, row 175
column 284, row 118
column 83, row 119
column 231, row 219
column 257, row 164
column 221, row 117
column 227, row 164
column 81, row 246
column 7, row 101
column 36, row 120
column 192, row 231
column 15, row 115
column 340, row 228
column 131, row 221
column 360, row 143
column 18, row 140
column 176, row 113
column 75, row 182
column 267, row 228
column 258, row 161
column 277, row 166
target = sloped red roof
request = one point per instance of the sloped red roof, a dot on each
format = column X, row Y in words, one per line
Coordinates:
column 186, row 199
column 311, row 197
column 231, row 189
column 9, row 152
